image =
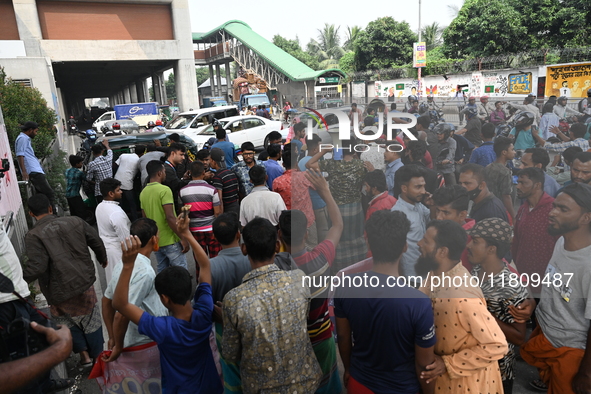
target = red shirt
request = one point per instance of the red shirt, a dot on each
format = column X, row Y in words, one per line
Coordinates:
column 301, row 199
column 381, row 201
column 532, row 246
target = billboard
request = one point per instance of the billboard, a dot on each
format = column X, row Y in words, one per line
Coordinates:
column 568, row 80
column 419, row 54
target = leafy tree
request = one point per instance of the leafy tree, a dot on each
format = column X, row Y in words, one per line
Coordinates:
column 486, row 27
column 170, row 87
column 327, row 49
column 202, row 73
column 352, row 34
column 347, row 62
column 555, row 23
column 431, row 35
column 21, row 104
column 383, row 44
column 294, row 49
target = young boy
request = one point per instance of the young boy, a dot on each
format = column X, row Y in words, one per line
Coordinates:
column 491, row 240
column 183, row 337
column 74, row 179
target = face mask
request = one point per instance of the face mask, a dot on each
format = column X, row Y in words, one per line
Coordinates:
column 473, row 194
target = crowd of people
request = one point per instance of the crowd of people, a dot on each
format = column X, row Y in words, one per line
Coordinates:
column 272, row 235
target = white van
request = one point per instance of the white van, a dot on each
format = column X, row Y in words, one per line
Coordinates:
column 193, row 122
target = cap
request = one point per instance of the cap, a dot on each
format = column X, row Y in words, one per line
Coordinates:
column 218, row 156
column 30, row 125
column 493, row 229
column 471, row 98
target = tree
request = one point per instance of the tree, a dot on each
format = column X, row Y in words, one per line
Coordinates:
column 327, row 49
column 431, row 35
column 352, row 34
column 294, row 49
column 484, row 28
column 347, row 62
column 21, row 104
column 170, row 87
column 453, row 10
column 202, row 73
column 384, row 43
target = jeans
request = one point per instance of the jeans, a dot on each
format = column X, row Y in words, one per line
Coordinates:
column 41, row 186
column 170, row 256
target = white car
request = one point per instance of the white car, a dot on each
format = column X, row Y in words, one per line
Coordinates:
column 240, row 129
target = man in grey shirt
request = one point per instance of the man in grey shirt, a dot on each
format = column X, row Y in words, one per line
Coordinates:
column 558, row 348
column 230, row 265
column 410, row 202
column 151, row 154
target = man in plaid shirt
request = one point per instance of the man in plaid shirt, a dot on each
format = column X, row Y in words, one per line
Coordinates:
column 101, row 167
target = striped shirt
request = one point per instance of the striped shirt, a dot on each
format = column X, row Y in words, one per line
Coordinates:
column 226, row 181
column 316, row 264
column 202, row 197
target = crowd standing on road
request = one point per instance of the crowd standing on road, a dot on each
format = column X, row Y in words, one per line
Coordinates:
column 480, row 230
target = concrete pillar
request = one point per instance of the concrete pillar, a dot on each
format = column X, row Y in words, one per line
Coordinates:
column 29, row 28
column 141, row 89
column 133, row 92
column 111, row 100
column 229, row 85
column 219, row 79
column 126, row 95
column 163, row 98
column 212, row 81
column 156, row 88
column 186, row 83
column 184, row 77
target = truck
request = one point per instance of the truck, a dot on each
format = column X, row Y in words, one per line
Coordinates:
column 141, row 113
column 253, row 100
column 214, row 102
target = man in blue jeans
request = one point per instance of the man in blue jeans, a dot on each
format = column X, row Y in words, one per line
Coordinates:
column 157, row 203
column 31, row 170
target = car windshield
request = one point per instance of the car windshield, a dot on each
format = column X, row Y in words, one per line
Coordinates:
column 257, row 100
column 180, row 122
column 209, row 129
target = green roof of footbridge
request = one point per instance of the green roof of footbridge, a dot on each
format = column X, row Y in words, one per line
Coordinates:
column 272, row 54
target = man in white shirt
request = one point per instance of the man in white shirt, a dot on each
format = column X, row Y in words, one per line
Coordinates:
column 529, row 105
column 261, row 201
column 152, row 153
column 128, row 167
column 112, row 222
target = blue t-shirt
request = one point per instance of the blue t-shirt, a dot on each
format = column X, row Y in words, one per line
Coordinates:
column 229, row 152
column 185, row 356
column 317, row 201
column 484, row 155
column 525, row 139
column 387, row 323
column 274, row 170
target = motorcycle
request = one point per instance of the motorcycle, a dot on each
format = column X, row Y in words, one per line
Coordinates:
column 72, row 129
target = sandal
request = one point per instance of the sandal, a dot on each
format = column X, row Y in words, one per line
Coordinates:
column 539, row 384
column 82, row 365
column 55, row 385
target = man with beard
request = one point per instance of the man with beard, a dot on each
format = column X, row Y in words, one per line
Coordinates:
column 559, row 347
column 469, row 341
column 486, row 204
column 581, row 169
column 31, row 170
column 112, row 222
column 532, row 245
column 412, row 195
column 242, row 167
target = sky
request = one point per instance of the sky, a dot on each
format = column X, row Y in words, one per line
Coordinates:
column 304, row 17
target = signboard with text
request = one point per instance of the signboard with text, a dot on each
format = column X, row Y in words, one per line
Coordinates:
column 419, row 54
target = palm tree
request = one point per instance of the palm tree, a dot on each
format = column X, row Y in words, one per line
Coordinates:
column 352, row 34
column 431, row 35
column 327, row 48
